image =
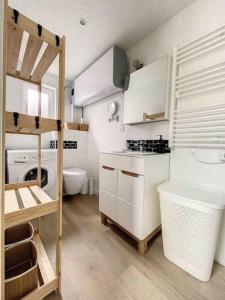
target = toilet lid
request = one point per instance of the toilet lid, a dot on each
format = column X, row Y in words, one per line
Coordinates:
column 74, row 171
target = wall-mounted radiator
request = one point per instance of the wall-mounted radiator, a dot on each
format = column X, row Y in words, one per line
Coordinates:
column 198, row 93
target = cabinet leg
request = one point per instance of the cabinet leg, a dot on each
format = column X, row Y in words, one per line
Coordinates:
column 103, row 219
column 142, row 247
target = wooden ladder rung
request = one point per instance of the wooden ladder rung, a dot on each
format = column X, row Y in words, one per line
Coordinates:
column 25, row 203
column 30, row 26
column 27, row 198
column 11, row 203
column 26, row 124
column 45, row 62
column 14, row 39
column 40, row 194
column 32, row 49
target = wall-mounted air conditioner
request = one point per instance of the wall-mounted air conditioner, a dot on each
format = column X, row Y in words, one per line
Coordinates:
column 103, row 78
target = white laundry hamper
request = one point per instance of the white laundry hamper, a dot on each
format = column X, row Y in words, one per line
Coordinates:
column 190, row 219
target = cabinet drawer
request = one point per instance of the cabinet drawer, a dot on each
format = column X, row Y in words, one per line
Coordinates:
column 129, row 217
column 108, row 179
column 107, row 204
column 131, row 187
column 123, row 162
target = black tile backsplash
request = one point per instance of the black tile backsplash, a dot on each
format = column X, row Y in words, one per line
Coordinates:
column 159, row 146
column 66, row 144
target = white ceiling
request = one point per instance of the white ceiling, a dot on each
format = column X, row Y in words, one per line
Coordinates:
column 109, row 22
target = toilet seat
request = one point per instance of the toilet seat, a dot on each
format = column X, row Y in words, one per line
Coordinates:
column 73, row 180
column 74, row 172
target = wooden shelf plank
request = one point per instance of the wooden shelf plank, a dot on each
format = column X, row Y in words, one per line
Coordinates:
column 11, row 203
column 48, row 278
column 73, row 126
column 40, row 194
column 14, row 39
column 25, row 207
column 83, row 127
column 17, row 185
column 76, row 126
column 44, row 264
column 32, row 49
column 30, row 26
column 27, row 124
column 44, row 63
column 27, row 198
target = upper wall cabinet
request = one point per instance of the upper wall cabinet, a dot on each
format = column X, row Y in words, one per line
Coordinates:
column 147, row 98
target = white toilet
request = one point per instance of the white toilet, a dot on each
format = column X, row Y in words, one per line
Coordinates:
column 73, row 180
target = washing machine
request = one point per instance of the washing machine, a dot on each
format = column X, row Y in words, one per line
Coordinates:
column 22, row 166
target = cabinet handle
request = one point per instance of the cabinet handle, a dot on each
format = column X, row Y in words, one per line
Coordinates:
column 108, row 168
column 130, row 173
column 147, row 117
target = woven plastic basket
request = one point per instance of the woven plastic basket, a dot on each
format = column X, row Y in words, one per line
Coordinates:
column 190, row 226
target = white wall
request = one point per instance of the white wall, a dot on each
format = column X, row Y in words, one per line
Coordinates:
column 15, row 102
column 196, row 19
column 76, row 157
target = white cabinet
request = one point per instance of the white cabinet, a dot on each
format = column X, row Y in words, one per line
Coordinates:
column 108, row 179
column 128, row 194
column 131, row 187
column 108, row 204
column 147, row 97
column 129, row 217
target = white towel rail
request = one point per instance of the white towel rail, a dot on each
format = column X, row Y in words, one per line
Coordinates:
column 207, row 42
column 202, row 39
column 199, row 146
column 199, row 135
column 204, row 71
column 199, row 114
column 212, row 45
column 204, row 126
column 181, row 94
column 208, row 107
column 192, row 130
column 200, row 119
column 195, row 82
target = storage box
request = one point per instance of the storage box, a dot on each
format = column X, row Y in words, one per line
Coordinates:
column 18, row 234
column 21, row 270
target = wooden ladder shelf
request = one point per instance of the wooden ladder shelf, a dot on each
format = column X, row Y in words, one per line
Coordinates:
column 21, row 202
column 29, row 124
column 24, row 202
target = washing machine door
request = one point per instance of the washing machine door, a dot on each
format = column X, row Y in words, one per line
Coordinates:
column 32, row 175
column 47, row 175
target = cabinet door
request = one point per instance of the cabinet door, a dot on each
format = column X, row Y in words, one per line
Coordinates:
column 107, row 204
column 131, row 187
column 129, row 217
column 148, row 93
column 108, row 179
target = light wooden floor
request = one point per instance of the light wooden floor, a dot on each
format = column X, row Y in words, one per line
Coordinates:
column 102, row 263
